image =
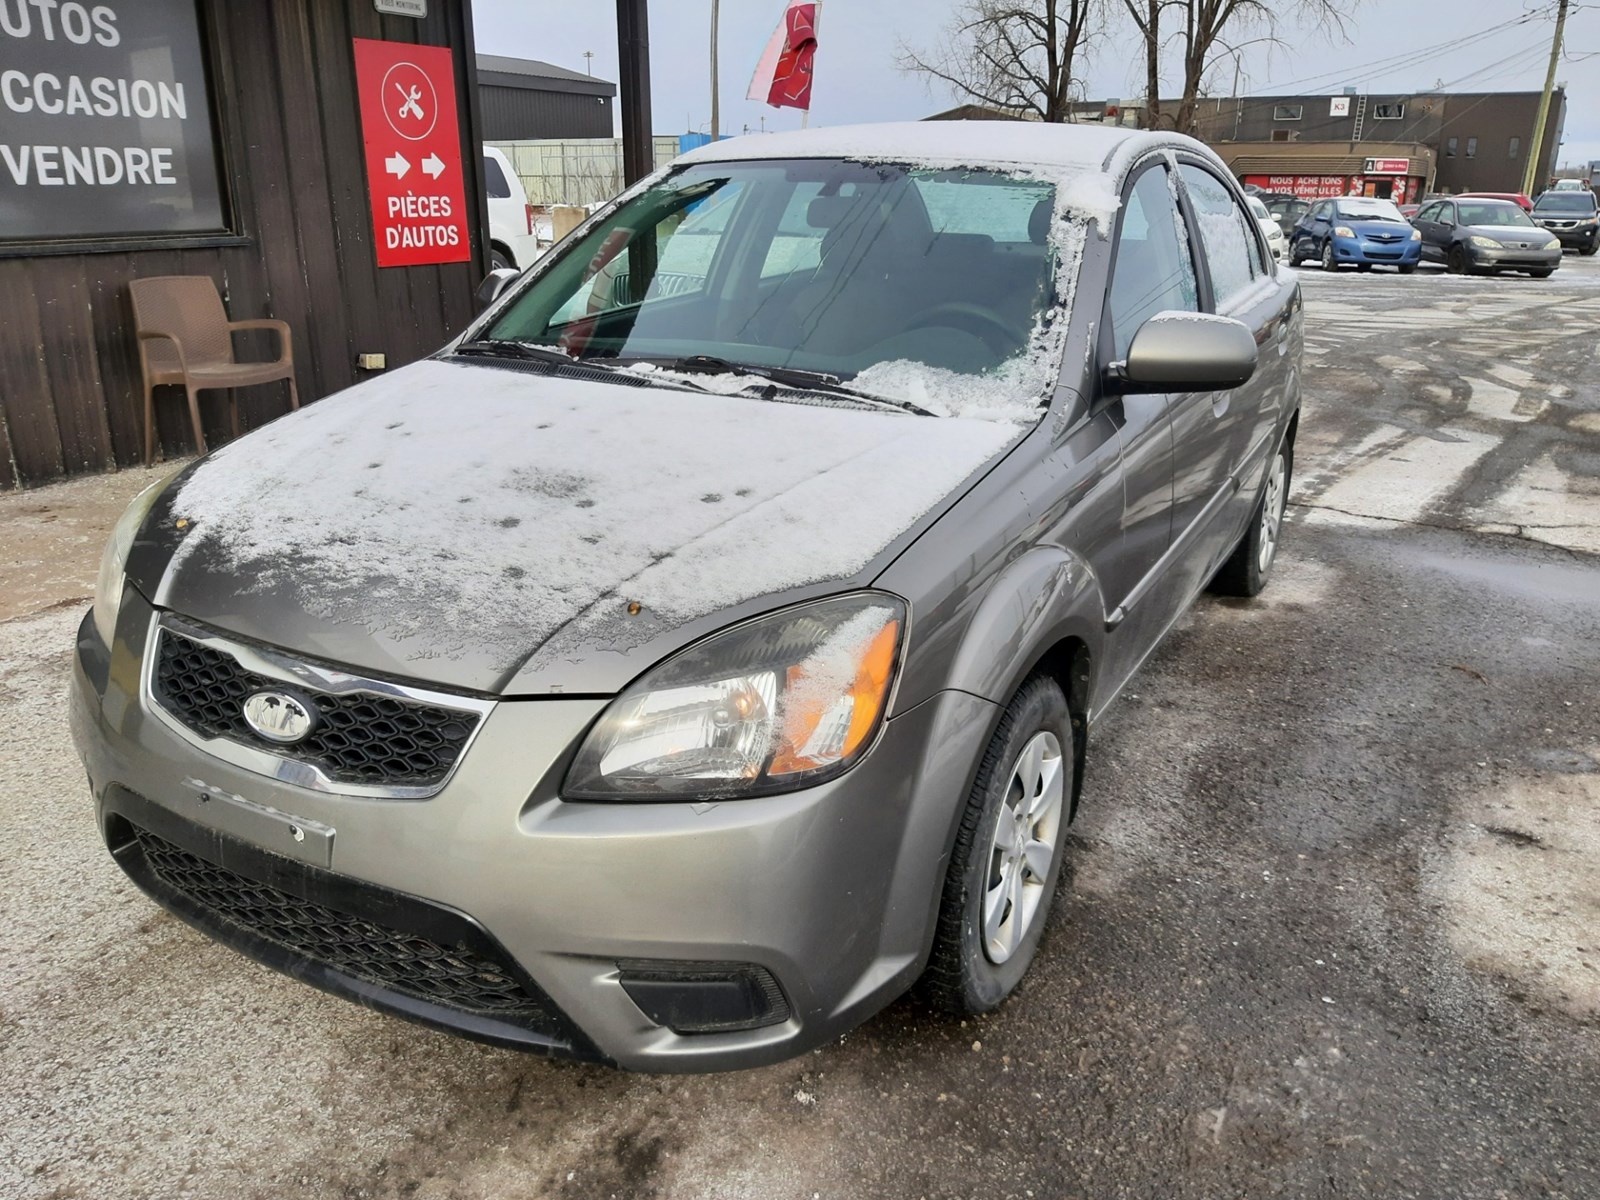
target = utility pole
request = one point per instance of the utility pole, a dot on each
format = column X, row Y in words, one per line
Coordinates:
column 716, row 106
column 633, row 57
column 1529, row 177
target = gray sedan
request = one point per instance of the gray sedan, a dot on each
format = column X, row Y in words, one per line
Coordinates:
column 705, row 647
column 1485, row 237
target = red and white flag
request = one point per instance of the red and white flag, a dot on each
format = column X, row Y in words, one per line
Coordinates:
column 783, row 76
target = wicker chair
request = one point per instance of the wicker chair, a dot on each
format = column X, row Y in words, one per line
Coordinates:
column 185, row 338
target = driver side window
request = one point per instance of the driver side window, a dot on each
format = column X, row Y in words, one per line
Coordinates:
column 1154, row 271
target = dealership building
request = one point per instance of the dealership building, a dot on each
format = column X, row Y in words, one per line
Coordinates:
column 1400, row 146
column 314, row 159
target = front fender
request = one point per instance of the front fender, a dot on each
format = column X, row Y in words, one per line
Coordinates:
column 1042, row 599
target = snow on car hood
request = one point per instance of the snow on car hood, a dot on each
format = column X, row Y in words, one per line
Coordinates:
column 445, row 521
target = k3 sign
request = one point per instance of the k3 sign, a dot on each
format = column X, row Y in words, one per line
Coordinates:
column 413, row 147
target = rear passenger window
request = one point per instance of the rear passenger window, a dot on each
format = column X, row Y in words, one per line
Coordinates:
column 494, row 180
column 1153, row 271
column 1231, row 249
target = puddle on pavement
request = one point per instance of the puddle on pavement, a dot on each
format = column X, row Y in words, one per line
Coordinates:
column 1556, row 582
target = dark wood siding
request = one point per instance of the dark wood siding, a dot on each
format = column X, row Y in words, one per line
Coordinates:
column 283, row 72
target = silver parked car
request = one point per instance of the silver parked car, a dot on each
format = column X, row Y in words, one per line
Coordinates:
column 704, row 648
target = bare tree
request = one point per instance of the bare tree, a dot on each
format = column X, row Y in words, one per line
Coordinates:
column 1204, row 22
column 1017, row 56
column 1146, row 16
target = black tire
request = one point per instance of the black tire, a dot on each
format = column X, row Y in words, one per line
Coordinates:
column 1589, row 250
column 1363, row 266
column 960, row 977
column 1329, row 263
column 1245, row 573
column 1408, row 270
column 1295, row 257
column 1456, row 264
column 499, row 262
column 1543, row 272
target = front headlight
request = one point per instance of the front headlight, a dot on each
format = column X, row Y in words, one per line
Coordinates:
column 1343, row 231
column 1553, row 244
column 782, row 702
column 1486, row 243
column 108, row 586
column 1416, row 235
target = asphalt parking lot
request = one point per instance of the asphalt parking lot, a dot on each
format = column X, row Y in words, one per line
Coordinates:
column 1333, row 928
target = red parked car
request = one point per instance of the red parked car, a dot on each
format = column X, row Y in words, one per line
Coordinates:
column 1514, row 197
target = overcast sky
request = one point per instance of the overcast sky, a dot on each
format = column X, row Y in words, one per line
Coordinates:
column 856, row 79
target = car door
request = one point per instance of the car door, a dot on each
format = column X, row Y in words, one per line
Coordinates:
column 1314, row 227
column 1152, row 271
column 1220, row 439
column 1437, row 223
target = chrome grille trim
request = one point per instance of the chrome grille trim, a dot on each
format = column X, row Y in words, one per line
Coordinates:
column 274, row 664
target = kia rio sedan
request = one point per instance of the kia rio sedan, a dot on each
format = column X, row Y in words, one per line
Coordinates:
column 704, row 648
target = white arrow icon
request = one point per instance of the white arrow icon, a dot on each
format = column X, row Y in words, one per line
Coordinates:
column 397, row 165
column 433, row 166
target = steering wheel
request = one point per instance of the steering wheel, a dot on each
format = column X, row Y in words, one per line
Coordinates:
column 977, row 319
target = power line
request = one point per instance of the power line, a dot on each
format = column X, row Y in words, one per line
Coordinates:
column 1362, row 72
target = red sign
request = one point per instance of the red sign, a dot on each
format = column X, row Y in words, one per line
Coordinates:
column 408, row 121
column 1388, row 166
column 1307, row 187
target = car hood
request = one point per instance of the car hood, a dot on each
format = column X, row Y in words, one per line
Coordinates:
column 445, row 522
column 1506, row 233
column 1367, row 228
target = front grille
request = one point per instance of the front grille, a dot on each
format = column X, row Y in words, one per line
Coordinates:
column 358, row 737
column 409, row 964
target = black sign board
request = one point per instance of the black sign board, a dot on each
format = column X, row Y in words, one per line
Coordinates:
column 105, row 121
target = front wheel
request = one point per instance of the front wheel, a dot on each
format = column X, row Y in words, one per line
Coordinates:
column 1408, row 269
column 1456, row 264
column 1246, row 571
column 1588, row 251
column 1329, row 263
column 1007, row 856
column 1543, row 272
column 499, row 262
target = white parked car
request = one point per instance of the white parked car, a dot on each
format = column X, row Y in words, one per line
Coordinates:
column 511, row 240
column 1269, row 226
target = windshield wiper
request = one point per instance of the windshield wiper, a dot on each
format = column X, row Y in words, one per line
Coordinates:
column 527, row 351
column 790, row 377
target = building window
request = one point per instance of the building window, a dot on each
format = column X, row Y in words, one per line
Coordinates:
column 1516, row 147
column 1280, row 135
column 1472, row 147
column 1450, row 148
column 1389, row 112
column 1287, row 112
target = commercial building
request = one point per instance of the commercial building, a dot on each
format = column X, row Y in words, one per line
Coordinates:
column 313, row 158
column 522, row 99
column 1334, row 145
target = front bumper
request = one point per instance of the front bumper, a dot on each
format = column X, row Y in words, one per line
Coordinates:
column 1579, row 237
column 1513, row 258
column 1365, row 250
column 831, row 891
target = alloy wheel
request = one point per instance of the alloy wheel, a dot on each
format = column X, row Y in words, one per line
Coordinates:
column 1272, row 509
column 1328, row 261
column 1022, row 846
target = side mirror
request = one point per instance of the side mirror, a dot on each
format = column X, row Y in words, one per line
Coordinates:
column 493, row 284
column 1185, row 352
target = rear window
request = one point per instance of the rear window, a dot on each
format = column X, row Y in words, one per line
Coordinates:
column 1565, row 202
column 495, row 179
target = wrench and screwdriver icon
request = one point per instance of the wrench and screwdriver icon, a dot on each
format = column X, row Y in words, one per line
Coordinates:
column 411, row 96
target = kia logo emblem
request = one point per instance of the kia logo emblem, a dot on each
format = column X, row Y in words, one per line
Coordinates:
column 278, row 717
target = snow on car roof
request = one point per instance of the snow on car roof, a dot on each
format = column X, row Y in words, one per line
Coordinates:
column 968, row 143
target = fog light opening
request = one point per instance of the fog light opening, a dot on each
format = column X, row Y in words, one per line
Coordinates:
column 691, row 997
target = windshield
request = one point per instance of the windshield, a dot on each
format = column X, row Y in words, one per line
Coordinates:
column 1368, row 209
column 1259, row 209
column 903, row 280
column 1582, row 203
column 1494, row 212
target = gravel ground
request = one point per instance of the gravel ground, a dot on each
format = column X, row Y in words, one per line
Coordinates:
column 1333, row 928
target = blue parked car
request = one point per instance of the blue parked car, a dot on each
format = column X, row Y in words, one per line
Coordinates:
column 1358, row 230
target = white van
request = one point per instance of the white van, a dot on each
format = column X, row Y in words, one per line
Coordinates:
column 511, row 240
